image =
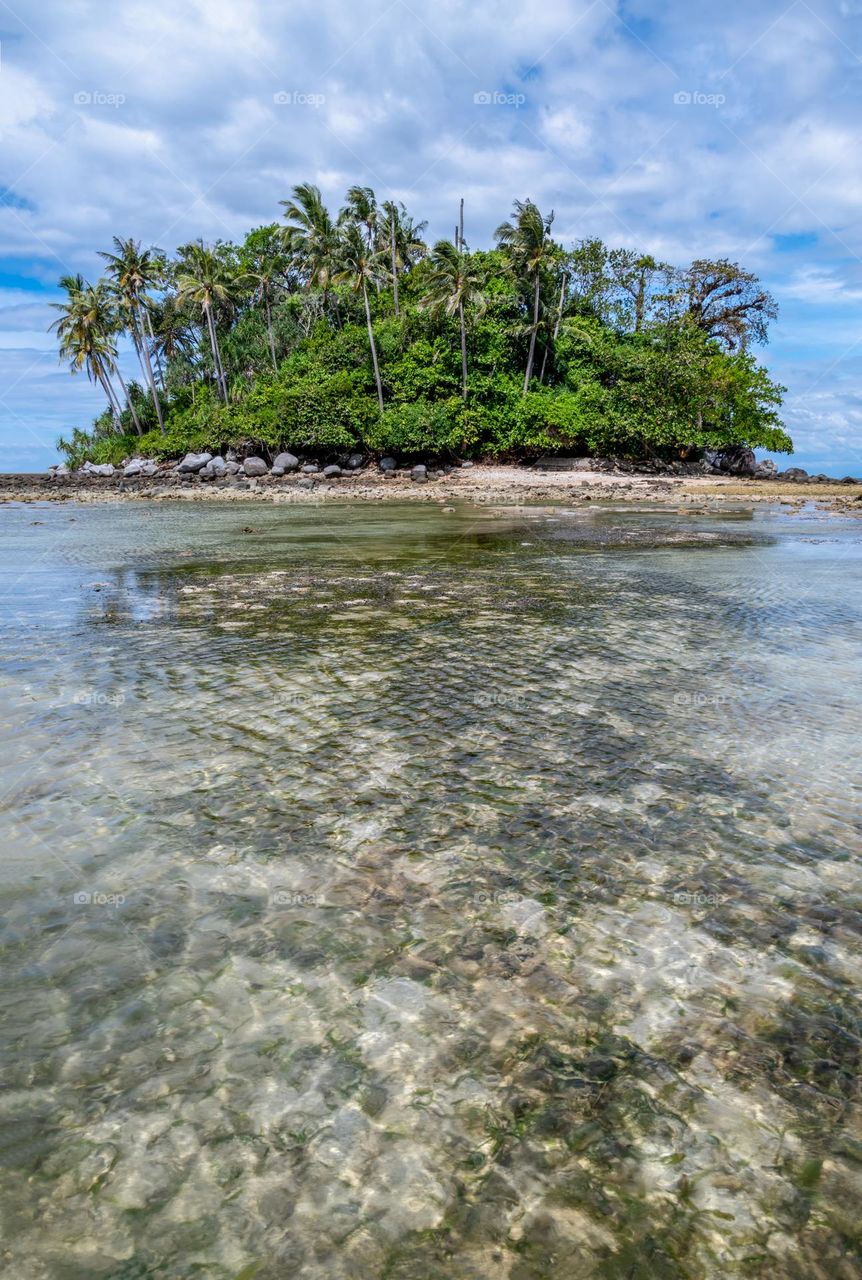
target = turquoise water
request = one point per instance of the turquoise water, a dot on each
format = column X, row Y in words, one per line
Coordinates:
column 390, row 892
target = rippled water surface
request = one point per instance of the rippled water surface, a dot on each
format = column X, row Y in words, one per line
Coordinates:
column 447, row 895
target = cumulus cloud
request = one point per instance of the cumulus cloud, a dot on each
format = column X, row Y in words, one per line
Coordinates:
column 682, row 130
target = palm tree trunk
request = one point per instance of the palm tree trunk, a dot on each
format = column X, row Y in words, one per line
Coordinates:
column 559, row 318
column 394, row 262
column 112, row 399
column 159, row 371
column 463, row 352
column 373, row 347
column 132, row 410
column 271, row 337
column 530, row 357
column 146, row 363
column 219, row 371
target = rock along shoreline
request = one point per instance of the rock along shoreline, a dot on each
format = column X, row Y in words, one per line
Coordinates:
column 583, row 481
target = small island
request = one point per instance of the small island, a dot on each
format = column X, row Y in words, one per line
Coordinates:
column 330, row 337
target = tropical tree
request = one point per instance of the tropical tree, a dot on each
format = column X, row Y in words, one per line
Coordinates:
column 726, row 302
column 204, row 280
column 455, row 286
column 312, row 237
column 361, row 266
column 361, row 208
column 133, row 271
column 528, row 242
column 86, row 328
column 401, row 238
column 266, row 267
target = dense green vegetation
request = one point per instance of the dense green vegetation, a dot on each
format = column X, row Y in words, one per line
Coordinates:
column 325, row 333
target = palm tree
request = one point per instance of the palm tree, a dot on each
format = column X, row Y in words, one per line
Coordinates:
column 403, row 239
column 361, row 266
column 361, row 207
column 265, row 274
column 311, row 236
column 528, row 242
column 86, row 328
column 133, row 271
column 204, row 280
column 455, row 287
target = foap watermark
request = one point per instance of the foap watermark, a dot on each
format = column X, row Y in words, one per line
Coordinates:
column 295, row 898
column 498, row 98
column 95, row 98
column 701, row 698
column 496, row 898
column 696, row 98
column 96, row 698
column 498, row 698
column 298, row 98
column 698, row 898
column 83, row 898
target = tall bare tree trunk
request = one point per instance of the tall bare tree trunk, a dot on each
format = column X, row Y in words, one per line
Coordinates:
column 113, row 402
column 463, row 352
column 219, row 371
column 146, row 363
column 530, row 357
column 132, row 410
column 373, row 348
column 559, row 318
column 271, row 336
column 394, row 261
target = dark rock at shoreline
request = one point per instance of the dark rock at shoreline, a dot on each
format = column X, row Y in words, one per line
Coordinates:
column 794, row 473
column 332, row 471
column 310, row 468
column 735, row 461
column 255, row 467
column 193, row 462
column 388, row 464
column 284, row 462
column 354, row 462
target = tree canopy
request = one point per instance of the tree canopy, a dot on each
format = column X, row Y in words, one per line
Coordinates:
column 327, row 331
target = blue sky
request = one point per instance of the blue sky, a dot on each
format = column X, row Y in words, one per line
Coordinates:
column 727, row 130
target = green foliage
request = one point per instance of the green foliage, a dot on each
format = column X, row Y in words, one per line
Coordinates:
column 267, row 344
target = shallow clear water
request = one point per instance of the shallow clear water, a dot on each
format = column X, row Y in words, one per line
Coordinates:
column 399, row 893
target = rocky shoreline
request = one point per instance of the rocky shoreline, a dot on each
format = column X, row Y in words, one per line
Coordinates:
column 202, row 477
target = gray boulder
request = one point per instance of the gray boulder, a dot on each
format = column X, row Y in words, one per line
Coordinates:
column 419, row 472
column 284, row 462
column 255, row 467
column 331, row 471
column 231, row 467
column 97, row 469
column 310, row 468
column 388, row 464
column 354, row 462
column 215, row 469
column 193, row 462
column 60, row 470
column 766, row 470
column 794, row 473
